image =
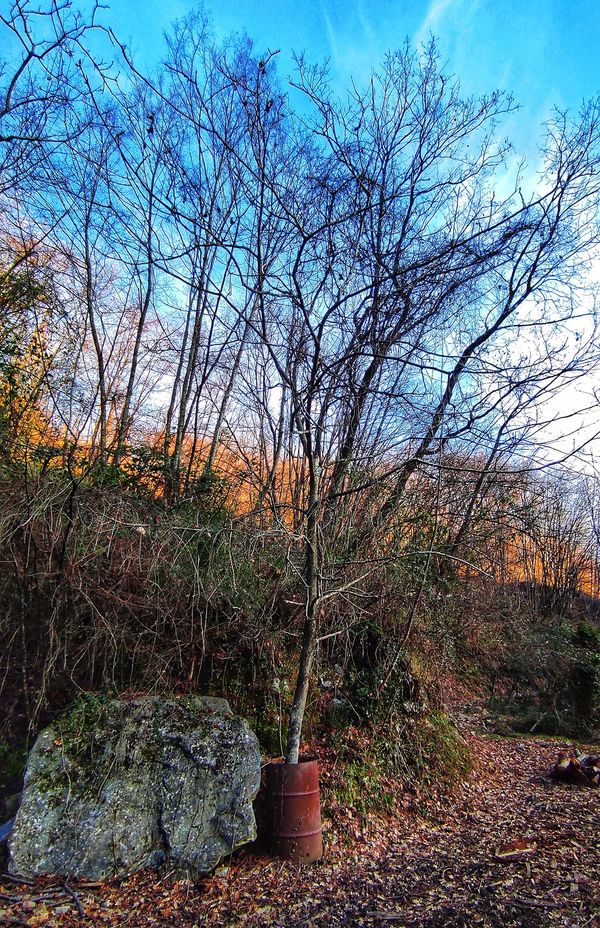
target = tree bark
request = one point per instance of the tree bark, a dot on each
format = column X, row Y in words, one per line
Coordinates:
column 309, row 634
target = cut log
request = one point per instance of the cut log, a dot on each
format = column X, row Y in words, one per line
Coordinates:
column 573, row 767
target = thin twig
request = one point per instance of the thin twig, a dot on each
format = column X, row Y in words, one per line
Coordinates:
column 15, row 878
column 75, row 898
column 534, row 903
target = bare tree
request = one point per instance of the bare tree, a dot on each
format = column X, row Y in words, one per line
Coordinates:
column 403, row 279
column 345, row 295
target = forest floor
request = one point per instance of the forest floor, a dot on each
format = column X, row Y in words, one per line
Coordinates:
column 438, row 863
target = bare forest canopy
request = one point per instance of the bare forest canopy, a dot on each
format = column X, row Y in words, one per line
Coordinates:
column 335, row 325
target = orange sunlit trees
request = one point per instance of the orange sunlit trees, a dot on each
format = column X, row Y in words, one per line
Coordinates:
column 27, row 304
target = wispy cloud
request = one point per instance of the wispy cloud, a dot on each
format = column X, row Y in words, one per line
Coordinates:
column 433, row 18
column 331, row 36
column 353, row 45
column 436, row 10
column 368, row 32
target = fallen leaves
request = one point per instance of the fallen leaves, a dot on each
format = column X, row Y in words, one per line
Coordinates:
column 445, row 867
column 515, row 850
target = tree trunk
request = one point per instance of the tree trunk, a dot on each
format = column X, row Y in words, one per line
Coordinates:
column 309, row 635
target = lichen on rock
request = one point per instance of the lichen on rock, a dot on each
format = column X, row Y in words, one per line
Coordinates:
column 119, row 785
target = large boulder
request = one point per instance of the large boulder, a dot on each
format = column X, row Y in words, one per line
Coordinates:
column 119, row 785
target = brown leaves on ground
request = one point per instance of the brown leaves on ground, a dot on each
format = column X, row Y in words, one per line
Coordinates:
column 508, row 848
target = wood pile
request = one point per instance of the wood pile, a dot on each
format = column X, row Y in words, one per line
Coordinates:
column 573, row 767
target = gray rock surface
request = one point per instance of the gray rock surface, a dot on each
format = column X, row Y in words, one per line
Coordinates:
column 119, row 785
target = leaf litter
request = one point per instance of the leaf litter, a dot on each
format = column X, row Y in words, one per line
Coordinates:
column 507, row 847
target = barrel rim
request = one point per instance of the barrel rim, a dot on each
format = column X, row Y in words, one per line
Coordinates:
column 281, row 761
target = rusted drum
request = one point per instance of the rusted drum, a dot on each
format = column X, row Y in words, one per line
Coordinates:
column 293, row 791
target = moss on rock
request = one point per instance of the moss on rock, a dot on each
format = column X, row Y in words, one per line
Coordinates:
column 116, row 785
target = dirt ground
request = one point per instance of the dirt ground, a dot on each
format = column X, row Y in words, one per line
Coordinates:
column 507, row 847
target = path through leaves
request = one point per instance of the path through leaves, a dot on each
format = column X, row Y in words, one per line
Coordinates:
column 508, row 848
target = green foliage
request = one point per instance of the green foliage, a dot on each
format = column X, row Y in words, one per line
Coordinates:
column 425, row 752
column 554, row 674
column 372, row 696
column 264, row 707
column 12, row 764
column 584, row 679
column 378, row 680
column 209, row 492
column 261, row 690
column 76, row 728
column 361, row 783
column 107, row 476
column 437, row 752
column 360, row 787
column 268, row 724
column 84, row 715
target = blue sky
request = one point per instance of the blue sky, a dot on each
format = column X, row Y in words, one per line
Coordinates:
column 546, row 52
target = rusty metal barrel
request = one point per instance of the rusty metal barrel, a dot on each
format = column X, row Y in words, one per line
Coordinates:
column 295, row 810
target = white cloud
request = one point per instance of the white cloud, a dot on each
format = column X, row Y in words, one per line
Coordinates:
column 331, row 35
column 437, row 10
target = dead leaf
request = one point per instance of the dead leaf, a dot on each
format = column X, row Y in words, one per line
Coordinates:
column 515, row 850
